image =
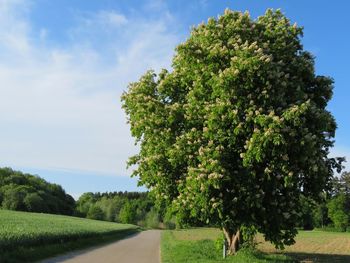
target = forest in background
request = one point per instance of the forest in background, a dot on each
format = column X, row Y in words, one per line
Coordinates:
column 25, row 192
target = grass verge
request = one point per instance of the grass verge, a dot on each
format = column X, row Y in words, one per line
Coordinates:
column 198, row 245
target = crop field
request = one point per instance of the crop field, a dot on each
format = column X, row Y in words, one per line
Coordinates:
column 315, row 246
column 23, row 229
column 198, row 245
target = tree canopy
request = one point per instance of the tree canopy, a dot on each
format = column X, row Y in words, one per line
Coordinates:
column 26, row 192
column 238, row 129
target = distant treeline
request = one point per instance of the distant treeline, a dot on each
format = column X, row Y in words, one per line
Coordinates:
column 25, row 192
column 332, row 212
column 123, row 207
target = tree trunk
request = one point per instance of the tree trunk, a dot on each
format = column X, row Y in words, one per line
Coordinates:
column 233, row 240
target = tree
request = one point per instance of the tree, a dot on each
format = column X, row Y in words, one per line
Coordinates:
column 320, row 215
column 84, row 203
column 19, row 191
column 95, row 212
column 307, row 210
column 127, row 214
column 337, row 211
column 34, row 203
column 345, row 179
column 238, row 130
column 341, row 184
column 152, row 219
column 14, row 197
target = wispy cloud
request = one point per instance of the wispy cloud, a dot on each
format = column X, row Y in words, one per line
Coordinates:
column 105, row 20
column 60, row 107
column 111, row 18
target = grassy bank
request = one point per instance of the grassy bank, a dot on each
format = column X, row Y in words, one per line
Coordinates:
column 25, row 237
column 198, row 245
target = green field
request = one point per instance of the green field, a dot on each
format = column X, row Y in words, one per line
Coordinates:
column 23, row 231
column 198, row 245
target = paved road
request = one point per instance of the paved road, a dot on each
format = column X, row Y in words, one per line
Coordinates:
column 139, row 248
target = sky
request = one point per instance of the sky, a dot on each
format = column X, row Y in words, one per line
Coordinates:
column 64, row 65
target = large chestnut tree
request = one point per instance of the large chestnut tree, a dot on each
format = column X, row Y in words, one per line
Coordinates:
column 238, row 129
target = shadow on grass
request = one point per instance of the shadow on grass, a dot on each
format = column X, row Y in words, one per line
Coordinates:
column 258, row 256
column 292, row 257
column 318, row 258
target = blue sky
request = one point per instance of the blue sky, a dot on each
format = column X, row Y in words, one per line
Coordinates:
column 64, row 65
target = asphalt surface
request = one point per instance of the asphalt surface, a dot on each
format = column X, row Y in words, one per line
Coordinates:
column 139, row 248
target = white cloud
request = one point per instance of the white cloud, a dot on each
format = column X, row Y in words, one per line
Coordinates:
column 112, row 18
column 156, row 5
column 60, row 107
column 103, row 19
column 14, row 30
column 43, row 34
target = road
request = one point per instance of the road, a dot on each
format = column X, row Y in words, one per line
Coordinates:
column 139, row 248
